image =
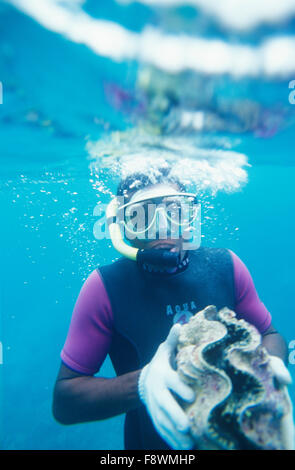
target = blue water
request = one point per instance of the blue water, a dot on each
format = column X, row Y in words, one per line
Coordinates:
column 54, row 101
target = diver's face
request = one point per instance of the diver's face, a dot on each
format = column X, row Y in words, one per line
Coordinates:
column 159, row 236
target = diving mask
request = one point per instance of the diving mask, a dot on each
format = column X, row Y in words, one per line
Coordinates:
column 158, row 212
column 159, row 217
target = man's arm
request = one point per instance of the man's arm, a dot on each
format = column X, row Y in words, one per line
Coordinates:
column 249, row 307
column 275, row 344
column 79, row 398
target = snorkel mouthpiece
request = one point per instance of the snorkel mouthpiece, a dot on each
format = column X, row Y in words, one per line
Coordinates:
column 158, row 257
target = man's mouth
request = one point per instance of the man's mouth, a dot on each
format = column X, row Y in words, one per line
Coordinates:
column 164, row 245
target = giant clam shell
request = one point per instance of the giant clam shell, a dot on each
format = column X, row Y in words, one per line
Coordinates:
column 239, row 404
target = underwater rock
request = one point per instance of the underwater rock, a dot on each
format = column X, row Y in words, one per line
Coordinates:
column 239, row 404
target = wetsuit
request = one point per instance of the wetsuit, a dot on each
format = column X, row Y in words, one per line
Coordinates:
column 126, row 313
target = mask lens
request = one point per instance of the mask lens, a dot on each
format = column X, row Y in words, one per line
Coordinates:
column 139, row 216
column 181, row 210
column 173, row 208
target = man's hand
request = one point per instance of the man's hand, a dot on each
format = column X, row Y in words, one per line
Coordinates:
column 283, row 376
column 155, row 384
column 279, row 370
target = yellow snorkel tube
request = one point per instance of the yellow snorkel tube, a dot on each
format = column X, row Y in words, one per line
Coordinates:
column 115, row 232
column 160, row 257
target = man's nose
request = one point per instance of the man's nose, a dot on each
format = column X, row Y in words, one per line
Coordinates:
column 162, row 223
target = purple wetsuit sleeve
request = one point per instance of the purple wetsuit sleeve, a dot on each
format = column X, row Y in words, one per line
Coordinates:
column 90, row 333
column 248, row 305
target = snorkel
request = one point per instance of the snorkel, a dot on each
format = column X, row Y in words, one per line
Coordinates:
column 162, row 257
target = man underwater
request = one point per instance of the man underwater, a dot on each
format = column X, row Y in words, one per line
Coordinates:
column 132, row 310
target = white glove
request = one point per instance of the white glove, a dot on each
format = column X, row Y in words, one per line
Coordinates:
column 288, row 426
column 280, row 371
column 155, row 382
column 283, row 376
